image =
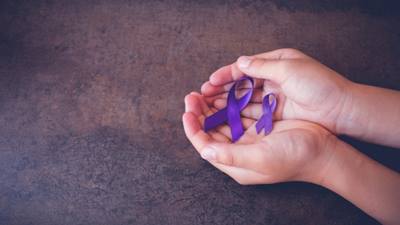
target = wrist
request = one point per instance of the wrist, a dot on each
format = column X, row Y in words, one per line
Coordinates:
column 317, row 170
column 342, row 159
column 370, row 114
column 350, row 116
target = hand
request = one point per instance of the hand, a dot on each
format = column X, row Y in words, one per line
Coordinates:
column 306, row 89
column 294, row 150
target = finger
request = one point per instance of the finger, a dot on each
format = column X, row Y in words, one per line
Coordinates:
column 251, row 135
column 219, row 137
column 248, row 156
column 283, row 53
column 209, row 89
column 207, row 111
column 191, row 105
column 232, row 72
column 221, row 99
column 216, row 133
column 226, row 130
column 255, row 98
column 225, row 75
column 223, row 129
column 194, row 131
column 202, row 104
column 195, row 103
column 275, row 70
column 267, row 86
column 252, row 111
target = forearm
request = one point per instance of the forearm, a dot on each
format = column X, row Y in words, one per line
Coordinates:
column 364, row 182
column 371, row 114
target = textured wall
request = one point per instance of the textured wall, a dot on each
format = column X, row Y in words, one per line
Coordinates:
column 91, row 97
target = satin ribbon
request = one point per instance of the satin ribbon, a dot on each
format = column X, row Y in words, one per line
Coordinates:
column 231, row 113
column 265, row 122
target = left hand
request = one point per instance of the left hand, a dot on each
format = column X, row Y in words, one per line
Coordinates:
column 305, row 88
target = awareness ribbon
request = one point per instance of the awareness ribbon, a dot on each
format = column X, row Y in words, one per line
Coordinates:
column 266, row 119
column 231, row 113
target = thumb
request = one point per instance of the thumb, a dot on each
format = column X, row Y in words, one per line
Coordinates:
column 270, row 69
column 249, row 156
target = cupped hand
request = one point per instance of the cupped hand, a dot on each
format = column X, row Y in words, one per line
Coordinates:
column 306, row 89
column 294, row 151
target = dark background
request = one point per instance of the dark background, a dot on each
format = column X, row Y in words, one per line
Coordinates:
column 91, row 97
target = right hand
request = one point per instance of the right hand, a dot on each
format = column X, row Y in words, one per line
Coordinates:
column 305, row 88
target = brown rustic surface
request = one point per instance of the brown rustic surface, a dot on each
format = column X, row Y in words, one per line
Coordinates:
column 91, row 97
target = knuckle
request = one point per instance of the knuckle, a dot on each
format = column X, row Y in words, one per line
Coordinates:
column 264, row 65
column 225, row 157
column 291, row 52
column 230, row 160
column 285, row 65
column 257, row 63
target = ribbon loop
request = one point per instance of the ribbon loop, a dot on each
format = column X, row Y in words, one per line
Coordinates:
column 231, row 113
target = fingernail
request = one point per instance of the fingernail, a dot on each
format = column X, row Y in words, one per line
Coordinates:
column 212, row 77
column 203, row 87
column 244, row 61
column 186, row 104
column 209, row 154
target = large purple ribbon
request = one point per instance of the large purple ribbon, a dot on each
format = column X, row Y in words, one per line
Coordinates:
column 265, row 122
column 231, row 113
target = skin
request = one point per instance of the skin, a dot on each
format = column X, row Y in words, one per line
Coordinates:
column 314, row 103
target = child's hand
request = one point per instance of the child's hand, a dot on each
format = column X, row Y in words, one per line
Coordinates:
column 294, row 150
column 306, row 89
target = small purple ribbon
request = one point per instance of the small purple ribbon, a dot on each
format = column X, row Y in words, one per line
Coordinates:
column 231, row 113
column 268, row 110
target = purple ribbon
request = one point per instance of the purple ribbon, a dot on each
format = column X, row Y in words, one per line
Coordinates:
column 268, row 110
column 231, row 113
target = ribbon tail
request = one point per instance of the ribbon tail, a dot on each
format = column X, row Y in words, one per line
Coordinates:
column 215, row 120
column 236, row 127
column 234, row 121
column 268, row 125
column 260, row 124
